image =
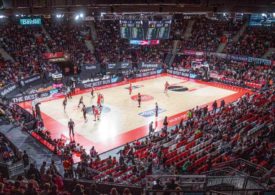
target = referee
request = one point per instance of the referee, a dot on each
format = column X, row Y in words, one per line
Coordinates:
column 156, row 110
column 71, row 127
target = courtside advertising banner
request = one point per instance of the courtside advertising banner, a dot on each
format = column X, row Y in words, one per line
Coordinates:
column 7, row 89
column 49, row 55
column 145, row 65
column 94, row 68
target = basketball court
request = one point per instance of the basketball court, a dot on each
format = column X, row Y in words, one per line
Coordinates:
column 121, row 120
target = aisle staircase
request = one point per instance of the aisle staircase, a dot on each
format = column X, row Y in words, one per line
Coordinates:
column 240, row 33
column 93, row 30
column 235, row 39
column 48, row 37
column 188, row 32
column 171, row 56
column 221, row 47
column 5, row 55
column 269, row 52
column 90, row 45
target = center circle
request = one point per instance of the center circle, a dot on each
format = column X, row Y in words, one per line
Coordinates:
column 144, row 98
column 105, row 109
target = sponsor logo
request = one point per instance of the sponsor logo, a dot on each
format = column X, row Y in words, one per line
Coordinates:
column 90, row 67
column 32, row 79
column 177, row 88
column 151, row 112
column 111, row 66
column 105, row 109
column 144, row 98
column 135, row 87
column 96, row 83
column 143, row 65
column 7, row 89
column 124, row 65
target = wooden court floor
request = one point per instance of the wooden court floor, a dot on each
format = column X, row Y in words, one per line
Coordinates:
column 121, row 120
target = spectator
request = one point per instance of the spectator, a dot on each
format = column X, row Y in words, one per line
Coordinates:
column 126, row 191
column 77, row 190
column 114, row 191
column 92, row 190
column 30, row 190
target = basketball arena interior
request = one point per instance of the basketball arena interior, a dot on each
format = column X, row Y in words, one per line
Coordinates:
column 140, row 97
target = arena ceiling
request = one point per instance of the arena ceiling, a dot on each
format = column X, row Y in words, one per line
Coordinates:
column 117, row 6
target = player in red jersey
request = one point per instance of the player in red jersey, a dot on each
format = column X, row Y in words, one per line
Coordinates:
column 98, row 100
column 130, row 89
column 166, row 87
column 96, row 113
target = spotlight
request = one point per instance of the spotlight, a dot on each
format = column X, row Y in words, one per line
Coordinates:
column 81, row 15
column 76, row 17
column 59, row 15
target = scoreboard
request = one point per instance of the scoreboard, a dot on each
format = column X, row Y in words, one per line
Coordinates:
column 158, row 30
column 131, row 29
column 145, row 30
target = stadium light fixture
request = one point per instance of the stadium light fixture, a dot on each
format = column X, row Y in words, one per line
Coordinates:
column 76, row 17
column 2, row 16
column 81, row 15
column 273, row 14
column 264, row 15
column 59, row 15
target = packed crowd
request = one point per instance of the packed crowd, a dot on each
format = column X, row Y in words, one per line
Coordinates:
column 26, row 46
column 179, row 26
column 70, row 39
column 207, row 34
column 254, row 42
column 242, row 71
column 110, row 48
column 230, row 69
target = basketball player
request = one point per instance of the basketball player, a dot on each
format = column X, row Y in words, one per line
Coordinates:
column 84, row 110
column 130, row 89
column 156, row 110
column 92, row 92
column 166, row 87
column 151, row 128
column 80, row 101
column 65, row 103
column 100, row 100
column 139, row 99
column 95, row 112
column 71, row 127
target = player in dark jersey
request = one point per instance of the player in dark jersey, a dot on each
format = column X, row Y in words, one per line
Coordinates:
column 92, row 92
column 84, row 110
column 139, row 100
column 156, row 110
column 65, row 103
column 80, row 101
